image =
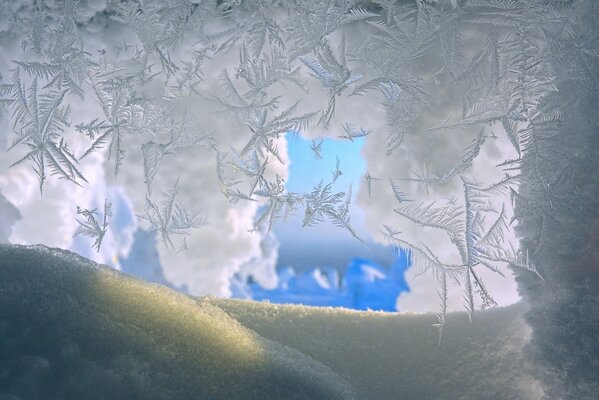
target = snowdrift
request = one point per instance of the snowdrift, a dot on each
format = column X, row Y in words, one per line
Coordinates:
column 73, row 329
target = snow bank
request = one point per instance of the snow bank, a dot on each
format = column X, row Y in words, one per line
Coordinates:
column 73, row 329
column 388, row 356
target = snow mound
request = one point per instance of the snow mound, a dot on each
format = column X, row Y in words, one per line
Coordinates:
column 73, row 329
column 388, row 356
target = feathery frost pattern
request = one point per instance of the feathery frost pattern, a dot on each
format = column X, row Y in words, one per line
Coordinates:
column 412, row 60
column 39, row 123
column 94, row 226
column 171, row 218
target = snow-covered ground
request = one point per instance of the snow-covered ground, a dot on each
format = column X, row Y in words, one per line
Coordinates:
column 73, row 329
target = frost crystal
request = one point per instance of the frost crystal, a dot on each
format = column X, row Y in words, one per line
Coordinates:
column 94, row 226
column 449, row 78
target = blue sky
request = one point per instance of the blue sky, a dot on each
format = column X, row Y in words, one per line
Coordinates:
column 327, row 250
column 305, row 170
column 324, row 245
column 308, row 256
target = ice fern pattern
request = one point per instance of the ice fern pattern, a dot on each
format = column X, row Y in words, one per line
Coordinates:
column 94, row 225
column 171, row 218
column 39, row 123
column 476, row 72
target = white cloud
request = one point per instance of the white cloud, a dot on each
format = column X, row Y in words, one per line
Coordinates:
column 216, row 252
column 225, row 247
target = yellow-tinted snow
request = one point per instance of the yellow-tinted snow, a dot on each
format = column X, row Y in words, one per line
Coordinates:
column 71, row 329
column 397, row 356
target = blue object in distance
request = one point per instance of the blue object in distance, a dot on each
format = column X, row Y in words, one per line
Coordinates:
column 364, row 286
